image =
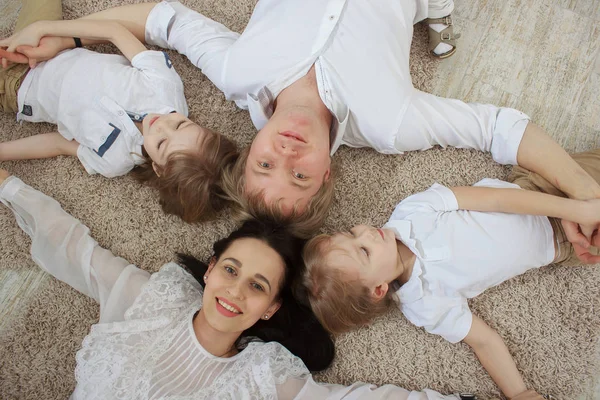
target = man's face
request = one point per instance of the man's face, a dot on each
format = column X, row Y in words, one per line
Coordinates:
column 289, row 159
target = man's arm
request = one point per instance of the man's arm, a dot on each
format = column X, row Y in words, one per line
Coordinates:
column 495, row 358
column 520, row 201
column 538, row 152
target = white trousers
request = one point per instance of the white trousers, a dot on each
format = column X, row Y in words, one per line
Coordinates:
column 440, row 8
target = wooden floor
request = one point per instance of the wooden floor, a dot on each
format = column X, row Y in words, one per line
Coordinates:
column 539, row 56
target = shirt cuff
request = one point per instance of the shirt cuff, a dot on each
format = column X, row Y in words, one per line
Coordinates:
column 82, row 156
column 461, row 328
column 447, row 196
column 10, row 187
column 157, row 24
column 508, row 133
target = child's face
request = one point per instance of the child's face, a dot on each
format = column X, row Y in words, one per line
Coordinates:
column 369, row 253
column 165, row 134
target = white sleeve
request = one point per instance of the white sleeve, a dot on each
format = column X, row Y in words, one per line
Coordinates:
column 203, row 41
column 437, row 198
column 156, row 65
column 62, row 246
column 431, row 120
column 308, row 389
column 449, row 317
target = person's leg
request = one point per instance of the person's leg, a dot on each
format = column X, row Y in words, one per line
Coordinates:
column 590, row 162
column 37, row 10
column 11, row 77
column 442, row 40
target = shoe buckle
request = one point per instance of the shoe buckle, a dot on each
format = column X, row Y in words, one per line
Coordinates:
column 446, row 36
column 448, row 20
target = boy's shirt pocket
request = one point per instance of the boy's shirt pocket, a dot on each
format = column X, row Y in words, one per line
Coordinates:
column 110, row 144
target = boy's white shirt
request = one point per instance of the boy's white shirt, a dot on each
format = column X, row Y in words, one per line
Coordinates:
column 88, row 95
column 360, row 54
column 460, row 254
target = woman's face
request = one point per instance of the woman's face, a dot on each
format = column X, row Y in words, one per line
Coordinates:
column 242, row 286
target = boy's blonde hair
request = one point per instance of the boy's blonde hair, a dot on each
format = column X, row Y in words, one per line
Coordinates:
column 303, row 224
column 339, row 302
column 189, row 184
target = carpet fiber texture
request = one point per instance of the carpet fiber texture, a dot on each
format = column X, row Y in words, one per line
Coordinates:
column 548, row 317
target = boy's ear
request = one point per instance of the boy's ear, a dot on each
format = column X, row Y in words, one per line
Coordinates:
column 380, row 291
column 156, row 169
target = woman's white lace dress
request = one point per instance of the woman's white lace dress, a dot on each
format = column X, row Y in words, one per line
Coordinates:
column 144, row 346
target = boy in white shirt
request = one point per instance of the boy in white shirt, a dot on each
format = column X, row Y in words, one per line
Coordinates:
column 442, row 247
column 115, row 114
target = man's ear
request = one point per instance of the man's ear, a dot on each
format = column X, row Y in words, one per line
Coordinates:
column 380, row 291
column 156, row 168
column 327, row 174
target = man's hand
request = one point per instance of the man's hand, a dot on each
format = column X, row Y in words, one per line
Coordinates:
column 582, row 238
column 3, row 175
column 47, row 48
column 528, row 395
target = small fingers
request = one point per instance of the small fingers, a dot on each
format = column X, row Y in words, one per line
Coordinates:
column 574, row 235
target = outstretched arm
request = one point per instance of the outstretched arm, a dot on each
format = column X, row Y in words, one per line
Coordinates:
column 45, row 145
column 520, row 201
column 495, row 358
column 62, row 246
column 133, row 17
column 97, row 30
column 308, row 389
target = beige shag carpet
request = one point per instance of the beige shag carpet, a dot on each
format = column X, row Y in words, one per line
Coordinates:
column 549, row 318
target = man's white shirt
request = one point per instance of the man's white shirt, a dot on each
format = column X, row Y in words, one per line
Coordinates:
column 360, row 52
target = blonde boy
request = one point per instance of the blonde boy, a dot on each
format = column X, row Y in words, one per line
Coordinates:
column 441, row 247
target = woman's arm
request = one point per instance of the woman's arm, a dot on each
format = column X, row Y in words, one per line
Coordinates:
column 495, row 358
column 308, row 389
column 98, row 30
column 62, row 246
column 520, row 201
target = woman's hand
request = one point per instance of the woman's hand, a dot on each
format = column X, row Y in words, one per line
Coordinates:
column 3, row 175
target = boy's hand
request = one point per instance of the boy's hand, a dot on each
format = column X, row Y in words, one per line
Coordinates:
column 3, row 175
column 585, row 234
column 528, row 395
column 582, row 240
column 48, row 47
column 29, row 46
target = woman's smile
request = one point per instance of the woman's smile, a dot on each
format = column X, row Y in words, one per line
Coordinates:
column 227, row 309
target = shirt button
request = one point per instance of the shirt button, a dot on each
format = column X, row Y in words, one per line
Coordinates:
column 120, row 113
column 331, row 17
column 103, row 138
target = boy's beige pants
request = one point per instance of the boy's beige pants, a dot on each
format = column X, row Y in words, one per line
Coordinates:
column 590, row 162
column 11, row 78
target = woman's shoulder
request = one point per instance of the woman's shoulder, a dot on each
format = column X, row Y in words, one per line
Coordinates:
column 274, row 360
column 170, row 290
